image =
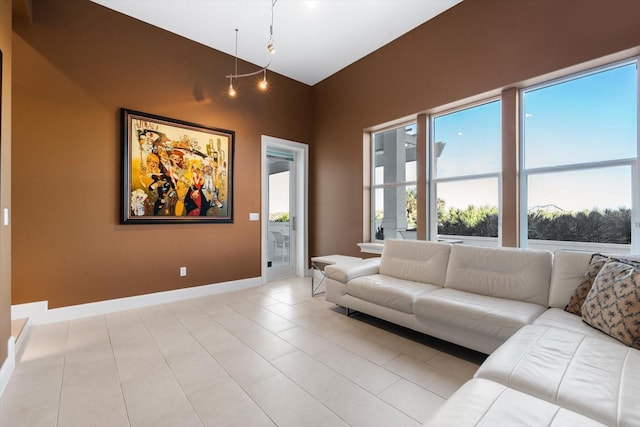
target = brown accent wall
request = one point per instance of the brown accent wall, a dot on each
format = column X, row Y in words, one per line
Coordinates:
column 5, row 176
column 477, row 47
column 74, row 67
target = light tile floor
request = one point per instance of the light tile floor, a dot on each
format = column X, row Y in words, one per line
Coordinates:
column 265, row 356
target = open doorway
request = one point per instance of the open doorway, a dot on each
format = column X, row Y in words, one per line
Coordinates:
column 284, row 207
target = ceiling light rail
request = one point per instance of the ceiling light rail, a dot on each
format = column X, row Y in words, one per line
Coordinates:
column 272, row 50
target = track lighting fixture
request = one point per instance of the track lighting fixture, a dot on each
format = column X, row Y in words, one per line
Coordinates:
column 270, row 47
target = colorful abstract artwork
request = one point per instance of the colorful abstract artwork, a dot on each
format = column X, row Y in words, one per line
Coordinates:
column 175, row 171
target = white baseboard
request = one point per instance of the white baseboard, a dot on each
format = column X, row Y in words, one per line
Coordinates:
column 23, row 311
column 38, row 316
column 8, row 366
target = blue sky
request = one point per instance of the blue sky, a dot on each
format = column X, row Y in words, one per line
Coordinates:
column 583, row 120
column 472, row 141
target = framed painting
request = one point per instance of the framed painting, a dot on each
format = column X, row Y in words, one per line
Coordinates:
column 175, row 171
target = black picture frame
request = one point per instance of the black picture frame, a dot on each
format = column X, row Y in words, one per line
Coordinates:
column 175, row 171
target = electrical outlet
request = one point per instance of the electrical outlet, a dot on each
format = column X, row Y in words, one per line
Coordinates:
column 183, row 271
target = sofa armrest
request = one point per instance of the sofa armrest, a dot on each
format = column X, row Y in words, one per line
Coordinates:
column 350, row 270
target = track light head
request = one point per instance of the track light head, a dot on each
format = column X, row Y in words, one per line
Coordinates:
column 232, row 91
column 263, row 83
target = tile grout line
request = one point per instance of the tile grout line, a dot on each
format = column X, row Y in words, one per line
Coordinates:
column 64, row 365
column 115, row 363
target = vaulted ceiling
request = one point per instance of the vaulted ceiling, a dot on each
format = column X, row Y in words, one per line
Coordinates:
column 314, row 39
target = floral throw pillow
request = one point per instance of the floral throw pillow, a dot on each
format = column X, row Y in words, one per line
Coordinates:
column 580, row 294
column 613, row 303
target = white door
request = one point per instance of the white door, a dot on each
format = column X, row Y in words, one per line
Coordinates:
column 284, row 208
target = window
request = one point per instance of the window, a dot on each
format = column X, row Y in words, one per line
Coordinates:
column 579, row 157
column 465, row 174
column 394, row 183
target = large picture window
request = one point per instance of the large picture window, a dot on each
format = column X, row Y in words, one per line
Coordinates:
column 579, row 160
column 465, row 171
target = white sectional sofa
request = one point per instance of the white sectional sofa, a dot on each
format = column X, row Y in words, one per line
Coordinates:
column 546, row 367
column 472, row 296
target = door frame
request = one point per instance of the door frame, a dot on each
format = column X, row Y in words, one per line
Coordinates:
column 301, row 158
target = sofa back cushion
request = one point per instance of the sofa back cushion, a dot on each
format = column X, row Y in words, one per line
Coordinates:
column 518, row 274
column 569, row 268
column 574, row 273
column 415, row 260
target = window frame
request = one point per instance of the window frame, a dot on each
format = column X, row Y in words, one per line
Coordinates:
column 633, row 163
column 432, row 181
column 374, row 186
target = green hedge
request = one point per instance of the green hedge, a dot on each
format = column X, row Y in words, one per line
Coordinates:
column 607, row 226
column 601, row 226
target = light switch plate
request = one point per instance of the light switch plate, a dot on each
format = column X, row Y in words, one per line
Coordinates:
column 254, row 216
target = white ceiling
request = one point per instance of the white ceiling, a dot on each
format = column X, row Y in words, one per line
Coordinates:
column 314, row 39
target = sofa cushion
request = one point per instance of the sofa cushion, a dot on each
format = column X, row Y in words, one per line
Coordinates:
column 613, row 303
column 388, row 291
column 568, row 272
column 517, row 274
column 480, row 314
column 484, row 403
column 415, row 260
column 558, row 318
column 597, row 378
